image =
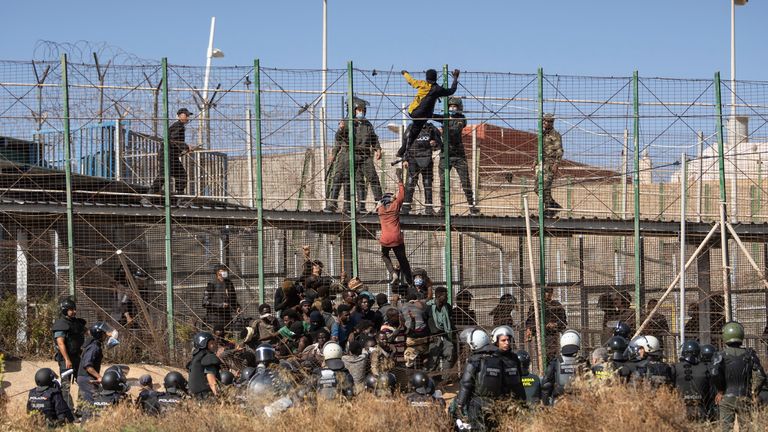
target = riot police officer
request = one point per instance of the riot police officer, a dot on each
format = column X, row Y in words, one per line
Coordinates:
column 418, row 160
column 456, row 157
column 657, row 372
column 564, row 368
column 531, row 381
column 204, row 367
column 175, row 392
column 88, row 375
column 481, row 382
column 268, row 386
column 114, row 389
column 732, row 370
column 333, row 380
column 422, row 392
column 68, row 336
column 381, row 386
column 693, row 381
column 619, row 359
column 504, row 338
column 47, row 399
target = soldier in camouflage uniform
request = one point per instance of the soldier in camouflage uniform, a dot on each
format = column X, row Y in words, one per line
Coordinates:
column 456, row 157
column 367, row 148
column 553, row 154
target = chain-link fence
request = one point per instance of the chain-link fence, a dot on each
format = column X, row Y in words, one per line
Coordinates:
column 90, row 206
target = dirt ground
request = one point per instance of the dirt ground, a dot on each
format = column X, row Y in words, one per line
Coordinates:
column 20, row 378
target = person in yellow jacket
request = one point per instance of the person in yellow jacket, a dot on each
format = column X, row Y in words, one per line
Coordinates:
column 423, row 106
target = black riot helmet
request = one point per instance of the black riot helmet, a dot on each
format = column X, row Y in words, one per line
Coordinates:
column 265, row 354
column 622, row 329
column 525, row 360
column 370, row 382
column 247, row 373
column 386, row 382
column 176, row 381
column 66, row 305
column 99, row 329
column 227, row 378
column 707, row 352
column 691, row 351
column 201, row 340
column 45, row 377
column 114, row 381
column 617, row 348
column 422, row 384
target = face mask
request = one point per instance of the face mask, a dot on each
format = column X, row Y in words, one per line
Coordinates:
column 112, row 341
column 453, row 110
column 224, row 275
column 418, row 281
column 359, row 115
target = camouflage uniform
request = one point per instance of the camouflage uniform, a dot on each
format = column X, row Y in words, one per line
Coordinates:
column 553, row 154
column 366, row 143
column 456, row 157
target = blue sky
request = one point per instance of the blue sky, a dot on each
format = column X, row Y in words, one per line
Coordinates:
column 672, row 38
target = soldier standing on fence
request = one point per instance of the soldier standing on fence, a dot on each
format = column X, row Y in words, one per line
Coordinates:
column 553, row 154
column 178, row 148
column 367, row 148
column 456, row 157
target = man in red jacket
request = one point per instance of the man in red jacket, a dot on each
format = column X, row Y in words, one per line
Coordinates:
column 391, row 238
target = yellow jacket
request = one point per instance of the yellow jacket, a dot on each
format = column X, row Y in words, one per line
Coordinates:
column 422, row 89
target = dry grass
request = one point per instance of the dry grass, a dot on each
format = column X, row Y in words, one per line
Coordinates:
column 590, row 408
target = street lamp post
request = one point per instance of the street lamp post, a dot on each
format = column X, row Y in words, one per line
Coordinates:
column 211, row 53
column 732, row 118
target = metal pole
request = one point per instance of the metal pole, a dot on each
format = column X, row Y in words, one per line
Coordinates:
column 671, row 286
column 732, row 133
column 323, row 108
column 683, row 193
column 636, row 184
column 352, row 180
column 447, row 194
column 259, row 186
column 542, row 239
column 167, row 205
column 118, row 142
column 68, row 178
column 700, row 191
column 249, row 144
column 22, row 273
column 535, row 293
column 475, row 165
column 723, row 202
column 624, row 169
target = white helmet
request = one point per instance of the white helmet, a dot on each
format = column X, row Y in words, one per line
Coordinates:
column 476, row 338
column 570, row 337
column 503, row 330
column 570, row 343
column 649, row 343
column 331, row 351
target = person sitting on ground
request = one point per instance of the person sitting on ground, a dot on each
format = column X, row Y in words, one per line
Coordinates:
column 291, row 331
column 147, row 399
column 46, row 399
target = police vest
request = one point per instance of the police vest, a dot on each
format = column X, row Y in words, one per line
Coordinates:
column 532, row 386
column 692, row 382
column 167, row 401
column 659, row 373
column 420, row 401
column 74, row 338
column 738, row 364
column 490, row 376
column 106, row 399
column 42, row 401
column 566, row 370
column 328, row 381
column 198, row 383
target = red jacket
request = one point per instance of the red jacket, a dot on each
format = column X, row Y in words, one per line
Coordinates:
column 391, row 235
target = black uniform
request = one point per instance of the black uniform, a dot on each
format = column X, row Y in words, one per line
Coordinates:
column 418, row 400
column 456, row 157
column 73, row 332
column 481, row 383
column 333, row 381
column 425, row 109
column 659, row 373
column 177, row 135
column 203, row 363
column 366, row 144
column 219, row 301
column 559, row 374
column 694, row 383
column 732, row 371
column 513, row 372
column 419, row 158
column 147, row 402
column 92, row 357
column 51, row 404
column 169, row 400
column 102, row 400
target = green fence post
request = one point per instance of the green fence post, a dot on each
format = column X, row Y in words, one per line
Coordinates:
column 259, row 185
column 723, row 202
column 636, row 184
column 352, row 181
column 542, row 240
column 447, row 193
column 68, row 179
column 167, row 205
